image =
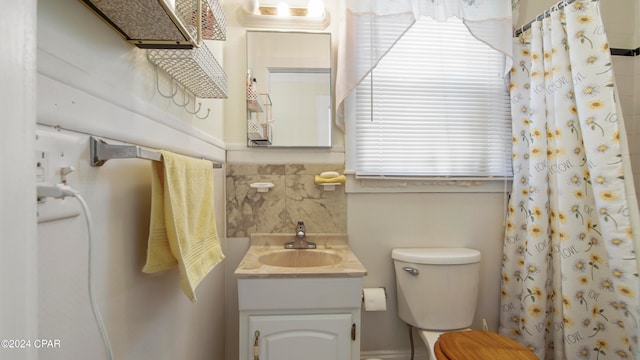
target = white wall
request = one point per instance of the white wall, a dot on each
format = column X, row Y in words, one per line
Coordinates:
column 18, row 257
column 90, row 81
column 146, row 316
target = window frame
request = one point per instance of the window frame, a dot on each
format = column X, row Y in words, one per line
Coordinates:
column 412, row 183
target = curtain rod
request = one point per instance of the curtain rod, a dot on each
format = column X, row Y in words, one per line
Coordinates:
column 527, row 26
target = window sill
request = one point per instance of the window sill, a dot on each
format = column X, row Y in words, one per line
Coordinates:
column 425, row 185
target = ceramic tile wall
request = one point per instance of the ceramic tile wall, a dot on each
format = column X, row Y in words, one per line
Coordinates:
column 627, row 74
column 294, row 197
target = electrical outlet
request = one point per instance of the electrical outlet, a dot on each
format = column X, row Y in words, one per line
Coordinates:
column 42, row 166
column 56, row 160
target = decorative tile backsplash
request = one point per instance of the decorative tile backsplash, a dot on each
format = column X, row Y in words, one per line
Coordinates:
column 294, row 197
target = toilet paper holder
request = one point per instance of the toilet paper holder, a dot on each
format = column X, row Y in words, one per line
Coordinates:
column 384, row 288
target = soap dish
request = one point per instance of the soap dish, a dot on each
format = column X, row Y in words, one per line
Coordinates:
column 262, row 186
column 330, row 186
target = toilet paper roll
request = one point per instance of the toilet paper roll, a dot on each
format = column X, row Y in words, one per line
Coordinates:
column 375, row 299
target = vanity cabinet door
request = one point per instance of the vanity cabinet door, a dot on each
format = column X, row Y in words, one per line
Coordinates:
column 295, row 337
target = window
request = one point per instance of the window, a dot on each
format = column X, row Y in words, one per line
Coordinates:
column 440, row 108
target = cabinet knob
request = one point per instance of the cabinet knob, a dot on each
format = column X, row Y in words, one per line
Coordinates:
column 256, row 346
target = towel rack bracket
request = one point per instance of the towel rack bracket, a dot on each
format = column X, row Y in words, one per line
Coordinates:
column 101, row 152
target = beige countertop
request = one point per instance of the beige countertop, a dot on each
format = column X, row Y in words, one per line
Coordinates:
column 330, row 244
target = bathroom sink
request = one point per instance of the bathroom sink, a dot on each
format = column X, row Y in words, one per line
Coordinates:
column 300, row 258
column 268, row 258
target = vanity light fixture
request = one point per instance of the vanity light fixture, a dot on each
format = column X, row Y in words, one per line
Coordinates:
column 251, row 6
column 283, row 15
column 315, row 8
column 283, row 9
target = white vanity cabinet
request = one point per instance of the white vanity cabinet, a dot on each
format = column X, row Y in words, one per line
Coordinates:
column 311, row 318
column 309, row 337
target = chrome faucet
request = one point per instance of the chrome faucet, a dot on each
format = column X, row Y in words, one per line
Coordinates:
column 300, row 242
column 300, row 229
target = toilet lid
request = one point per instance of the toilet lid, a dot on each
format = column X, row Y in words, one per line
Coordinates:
column 477, row 344
column 436, row 256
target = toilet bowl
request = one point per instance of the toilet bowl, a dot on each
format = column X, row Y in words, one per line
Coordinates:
column 437, row 292
column 430, row 338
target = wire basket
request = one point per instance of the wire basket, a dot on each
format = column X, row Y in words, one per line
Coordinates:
column 195, row 69
column 214, row 23
column 251, row 93
column 256, row 131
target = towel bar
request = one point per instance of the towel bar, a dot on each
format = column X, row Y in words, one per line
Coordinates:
column 101, row 152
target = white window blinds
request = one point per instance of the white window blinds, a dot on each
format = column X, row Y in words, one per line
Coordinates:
column 440, row 108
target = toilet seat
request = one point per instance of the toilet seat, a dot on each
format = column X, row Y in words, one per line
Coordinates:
column 430, row 338
column 478, row 344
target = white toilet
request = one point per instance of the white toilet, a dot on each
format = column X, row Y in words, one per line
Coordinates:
column 437, row 289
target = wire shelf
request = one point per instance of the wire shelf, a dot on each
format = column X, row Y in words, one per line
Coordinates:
column 163, row 24
column 256, row 131
column 213, row 20
column 196, row 69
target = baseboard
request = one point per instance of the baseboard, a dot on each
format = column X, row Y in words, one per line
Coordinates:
column 393, row 355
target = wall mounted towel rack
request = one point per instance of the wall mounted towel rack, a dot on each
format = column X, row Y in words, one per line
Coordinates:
column 101, row 152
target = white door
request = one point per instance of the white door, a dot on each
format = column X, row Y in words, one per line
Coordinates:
column 296, row 337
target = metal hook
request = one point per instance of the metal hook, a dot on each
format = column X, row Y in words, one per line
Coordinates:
column 175, row 91
column 194, row 107
column 183, row 98
column 206, row 116
column 196, row 111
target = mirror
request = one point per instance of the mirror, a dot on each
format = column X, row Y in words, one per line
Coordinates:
column 288, row 89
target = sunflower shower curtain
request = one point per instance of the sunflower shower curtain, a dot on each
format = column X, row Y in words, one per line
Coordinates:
column 570, row 282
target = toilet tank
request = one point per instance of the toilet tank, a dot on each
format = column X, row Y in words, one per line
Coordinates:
column 437, row 288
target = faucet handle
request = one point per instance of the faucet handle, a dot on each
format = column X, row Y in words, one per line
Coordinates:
column 300, row 229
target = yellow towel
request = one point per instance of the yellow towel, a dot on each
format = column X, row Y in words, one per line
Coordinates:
column 182, row 227
column 338, row 179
